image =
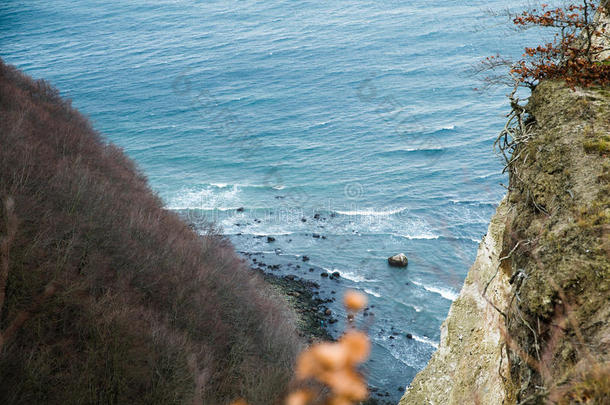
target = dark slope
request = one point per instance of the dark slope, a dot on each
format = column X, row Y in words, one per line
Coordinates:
column 109, row 297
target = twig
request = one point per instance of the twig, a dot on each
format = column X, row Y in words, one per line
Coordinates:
column 5, row 246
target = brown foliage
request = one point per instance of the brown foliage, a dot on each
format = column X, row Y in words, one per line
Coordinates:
column 574, row 55
column 131, row 305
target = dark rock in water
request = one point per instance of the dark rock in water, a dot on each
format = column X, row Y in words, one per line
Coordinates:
column 270, row 239
column 316, row 235
column 323, row 237
column 303, row 219
column 409, row 336
column 399, row 260
column 332, row 215
column 392, row 337
column 311, row 269
column 317, row 216
column 325, row 274
column 240, row 209
column 336, row 274
column 290, row 277
column 328, row 312
column 305, row 258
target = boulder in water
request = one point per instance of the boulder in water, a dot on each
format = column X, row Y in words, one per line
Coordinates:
column 399, row 260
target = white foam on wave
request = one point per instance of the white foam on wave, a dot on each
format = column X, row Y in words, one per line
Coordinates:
column 209, row 197
column 213, row 196
column 267, row 233
column 438, row 149
column 371, row 212
column 423, row 339
column 425, row 235
column 446, row 293
column 373, row 293
column 356, row 278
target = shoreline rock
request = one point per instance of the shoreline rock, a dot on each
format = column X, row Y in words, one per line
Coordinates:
column 311, row 310
column 399, row 260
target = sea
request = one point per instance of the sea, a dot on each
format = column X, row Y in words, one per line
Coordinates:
column 347, row 131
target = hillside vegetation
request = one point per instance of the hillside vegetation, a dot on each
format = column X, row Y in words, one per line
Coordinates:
column 108, row 298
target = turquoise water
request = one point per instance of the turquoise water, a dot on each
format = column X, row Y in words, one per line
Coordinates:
column 359, row 111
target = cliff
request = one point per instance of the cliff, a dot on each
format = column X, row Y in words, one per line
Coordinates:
column 531, row 322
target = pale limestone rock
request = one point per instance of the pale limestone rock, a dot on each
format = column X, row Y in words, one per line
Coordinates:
column 471, row 358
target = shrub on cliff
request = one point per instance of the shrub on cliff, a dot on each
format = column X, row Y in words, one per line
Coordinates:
column 107, row 297
column 579, row 52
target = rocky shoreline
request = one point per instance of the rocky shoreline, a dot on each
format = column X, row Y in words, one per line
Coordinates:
column 311, row 301
column 304, row 299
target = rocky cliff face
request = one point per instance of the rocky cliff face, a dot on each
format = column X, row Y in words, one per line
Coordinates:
column 531, row 322
column 470, row 360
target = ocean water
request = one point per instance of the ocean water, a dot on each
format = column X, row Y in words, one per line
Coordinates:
column 362, row 112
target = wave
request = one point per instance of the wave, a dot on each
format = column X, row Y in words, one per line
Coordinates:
column 356, row 278
column 371, row 212
column 210, row 197
column 446, row 293
column 214, row 196
column 437, row 149
column 474, row 202
column 423, row 339
column 425, row 236
column 262, row 233
column 373, row 293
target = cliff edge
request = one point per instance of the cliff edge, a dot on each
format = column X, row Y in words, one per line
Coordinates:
column 531, row 322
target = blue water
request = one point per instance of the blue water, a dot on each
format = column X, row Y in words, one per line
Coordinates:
column 360, row 111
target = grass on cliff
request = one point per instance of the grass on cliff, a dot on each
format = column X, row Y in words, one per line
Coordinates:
column 110, row 298
column 560, row 196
